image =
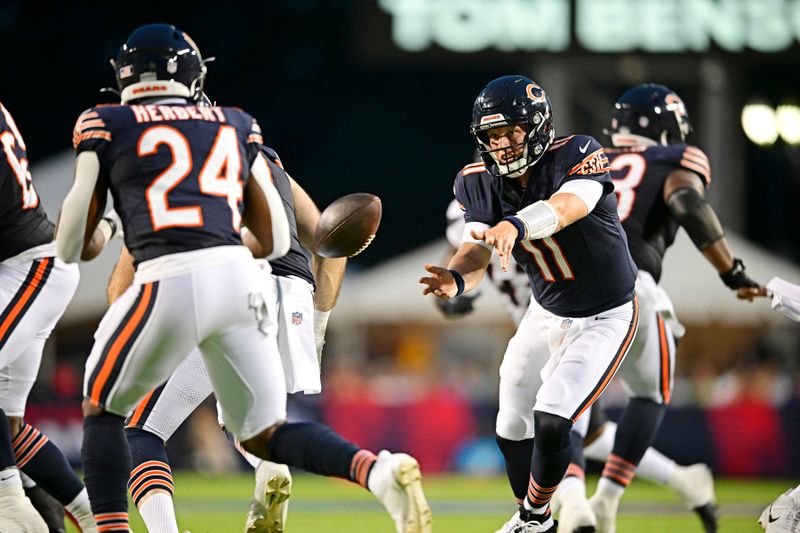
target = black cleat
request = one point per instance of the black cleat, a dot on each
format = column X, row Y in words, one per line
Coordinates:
column 49, row 508
column 709, row 516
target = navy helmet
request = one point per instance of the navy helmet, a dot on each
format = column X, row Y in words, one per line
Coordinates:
column 649, row 111
column 159, row 60
column 513, row 100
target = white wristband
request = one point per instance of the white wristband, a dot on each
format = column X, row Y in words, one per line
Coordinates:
column 320, row 325
column 105, row 229
column 540, row 220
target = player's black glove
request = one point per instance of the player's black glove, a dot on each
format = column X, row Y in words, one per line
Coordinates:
column 735, row 278
column 458, row 306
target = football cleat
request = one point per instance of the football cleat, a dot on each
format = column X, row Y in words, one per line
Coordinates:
column 523, row 522
column 605, row 511
column 17, row 513
column 783, row 515
column 270, row 504
column 573, row 510
column 396, row 481
column 695, row 486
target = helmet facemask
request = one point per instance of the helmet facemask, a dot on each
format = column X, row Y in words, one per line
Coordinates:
column 532, row 147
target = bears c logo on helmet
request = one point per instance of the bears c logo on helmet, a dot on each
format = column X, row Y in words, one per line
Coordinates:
column 540, row 97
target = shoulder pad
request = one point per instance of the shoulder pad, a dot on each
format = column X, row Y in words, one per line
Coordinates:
column 473, row 168
column 685, row 156
column 582, row 154
column 90, row 125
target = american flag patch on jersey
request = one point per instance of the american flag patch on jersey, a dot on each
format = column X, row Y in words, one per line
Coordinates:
column 297, row 318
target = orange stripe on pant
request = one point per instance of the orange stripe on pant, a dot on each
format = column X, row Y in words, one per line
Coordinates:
column 119, row 343
column 617, row 360
column 34, row 283
column 664, row 345
column 137, row 415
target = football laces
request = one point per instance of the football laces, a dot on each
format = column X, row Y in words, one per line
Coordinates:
column 364, row 246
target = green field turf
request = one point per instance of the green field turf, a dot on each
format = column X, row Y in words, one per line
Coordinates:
column 460, row 505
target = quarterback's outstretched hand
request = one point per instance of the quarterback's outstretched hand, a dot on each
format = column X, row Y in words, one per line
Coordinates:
column 441, row 283
column 751, row 293
column 503, row 237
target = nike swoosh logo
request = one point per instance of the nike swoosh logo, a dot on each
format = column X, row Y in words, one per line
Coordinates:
column 585, row 147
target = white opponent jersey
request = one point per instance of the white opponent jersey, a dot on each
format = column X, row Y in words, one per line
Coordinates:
column 513, row 285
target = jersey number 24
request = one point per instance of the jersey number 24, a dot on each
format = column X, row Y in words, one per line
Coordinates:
column 218, row 176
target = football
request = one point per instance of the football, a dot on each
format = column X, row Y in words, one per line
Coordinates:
column 348, row 225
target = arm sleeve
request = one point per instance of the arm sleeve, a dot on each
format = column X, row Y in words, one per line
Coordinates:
column 280, row 223
column 692, row 212
column 72, row 222
column 589, row 191
column 455, row 224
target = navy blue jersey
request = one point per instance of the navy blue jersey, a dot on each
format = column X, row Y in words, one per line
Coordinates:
column 296, row 261
column 176, row 172
column 583, row 269
column 23, row 222
column 639, row 173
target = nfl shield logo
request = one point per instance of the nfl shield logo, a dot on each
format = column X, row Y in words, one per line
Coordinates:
column 297, row 318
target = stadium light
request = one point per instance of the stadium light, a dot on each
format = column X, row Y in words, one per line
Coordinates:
column 760, row 124
column 788, row 117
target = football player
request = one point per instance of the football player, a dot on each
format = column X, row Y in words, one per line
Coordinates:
column 158, row 416
column 693, row 484
column 782, row 515
column 548, row 201
column 660, row 184
column 35, row 288
column 184, row 178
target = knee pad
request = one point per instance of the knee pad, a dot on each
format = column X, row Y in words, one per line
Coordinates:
column 552, row 432
column 513, row 426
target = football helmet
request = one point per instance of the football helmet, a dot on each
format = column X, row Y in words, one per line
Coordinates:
column 159, row 60
column 506, row 101
column 649, row 111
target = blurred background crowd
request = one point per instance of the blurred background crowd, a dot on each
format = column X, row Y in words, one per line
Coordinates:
column 376, row 96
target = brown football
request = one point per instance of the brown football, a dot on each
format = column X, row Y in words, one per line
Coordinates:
column 348, row 225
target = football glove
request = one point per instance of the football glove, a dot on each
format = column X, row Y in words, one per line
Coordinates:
column 736, row 278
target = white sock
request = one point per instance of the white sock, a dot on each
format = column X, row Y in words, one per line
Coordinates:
column 158, row 513
column 571, row 483
column 81, row 510
column 607, row 487
column 538, row 509
column 655, row 466
column 600, row 449
column 10, row 480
